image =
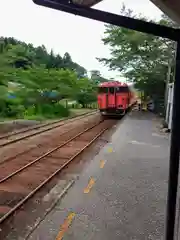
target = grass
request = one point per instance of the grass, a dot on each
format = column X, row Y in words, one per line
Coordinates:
column 75, row 112
column 35, row 117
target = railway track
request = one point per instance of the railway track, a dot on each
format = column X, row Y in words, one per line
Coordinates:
column 7, row 139
column 44, row 144
column 18, row 186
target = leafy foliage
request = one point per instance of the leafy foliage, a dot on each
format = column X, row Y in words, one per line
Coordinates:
column 143, row 59
column 33, row 81
column 87, row 92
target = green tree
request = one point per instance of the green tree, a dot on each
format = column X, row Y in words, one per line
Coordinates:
column 143, row 59
column 86, row 92
column 40, row 80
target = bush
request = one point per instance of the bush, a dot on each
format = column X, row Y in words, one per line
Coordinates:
column 60, row 110
column 30, row 113
column 12, row 108
column 50, row 110
column 85, row 98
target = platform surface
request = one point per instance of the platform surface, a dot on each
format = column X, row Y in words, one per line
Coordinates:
column 126, row 196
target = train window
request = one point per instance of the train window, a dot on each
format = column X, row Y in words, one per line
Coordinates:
column 103, row 90
column 122, row 89
column 111, row 90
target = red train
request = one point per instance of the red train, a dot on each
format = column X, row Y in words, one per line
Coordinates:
column 115, row 98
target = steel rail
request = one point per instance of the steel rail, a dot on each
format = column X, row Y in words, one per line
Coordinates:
column 30, row 149
column 17, row 206
column 41, row 131
column 41, row 125
column 47, row 153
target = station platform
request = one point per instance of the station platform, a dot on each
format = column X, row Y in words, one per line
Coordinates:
column 122, row 193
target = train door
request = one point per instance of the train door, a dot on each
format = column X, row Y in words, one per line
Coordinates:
column 111, row 97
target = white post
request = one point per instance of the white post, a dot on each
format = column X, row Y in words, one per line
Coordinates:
column 171, row 106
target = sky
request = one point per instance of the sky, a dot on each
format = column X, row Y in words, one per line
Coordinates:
column 64, row 32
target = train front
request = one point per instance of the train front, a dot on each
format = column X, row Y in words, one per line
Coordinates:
column 113, row 98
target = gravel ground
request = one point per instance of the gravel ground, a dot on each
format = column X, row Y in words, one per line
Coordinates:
column 12, row 125
column 9, row 126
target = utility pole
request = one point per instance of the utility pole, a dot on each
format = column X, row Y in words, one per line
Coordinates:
column 168, row 79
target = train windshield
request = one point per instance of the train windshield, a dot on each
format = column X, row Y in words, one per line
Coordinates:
column 103, row 90
column 112, row 90
column 122, row 89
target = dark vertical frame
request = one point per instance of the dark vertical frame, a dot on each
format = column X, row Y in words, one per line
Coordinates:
column 174, row 153
column 157, row 30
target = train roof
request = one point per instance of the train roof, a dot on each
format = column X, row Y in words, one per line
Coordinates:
column 113, row 84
